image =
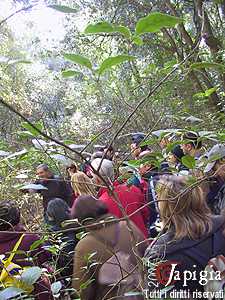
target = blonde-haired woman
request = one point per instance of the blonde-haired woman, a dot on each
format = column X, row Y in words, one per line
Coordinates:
column 191, row 237
column 82, row 184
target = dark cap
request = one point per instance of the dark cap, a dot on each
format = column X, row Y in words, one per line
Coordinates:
column 177, row 152
column 193, row 139
column 137, row 138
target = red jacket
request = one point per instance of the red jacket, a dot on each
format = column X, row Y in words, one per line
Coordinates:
column 7, row 243
column 132, row 199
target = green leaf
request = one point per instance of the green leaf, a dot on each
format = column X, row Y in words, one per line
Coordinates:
column 188, row 161
column 124, row 30
column 137, row 40
column 70, row 73
column 113, row 61
column 205, row 94
column 105, row 27
column 36, row 244
column 64, row 9
column 31, row 275
column 199, row 95
column 221, row 137
column 78, row 59
column 19, row 61
column 152, row 141
column 10, row 293
column 218, row 1
column 201, row 65
column 99, row 27
column 31, row 129
column 154, row 22
column 170, row 64
column 68, row 142
column 210, row 91
column 171, row 145
column 81, row 235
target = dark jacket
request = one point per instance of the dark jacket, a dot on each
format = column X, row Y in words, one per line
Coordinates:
column 190, row 255
column 67, row 241
column 39, row 256
column 215, row 194
column 56, row 188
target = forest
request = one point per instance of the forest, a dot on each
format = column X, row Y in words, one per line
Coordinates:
column 126, row 82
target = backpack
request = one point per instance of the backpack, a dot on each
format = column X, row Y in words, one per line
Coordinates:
column 119, row 272
column 11, row 272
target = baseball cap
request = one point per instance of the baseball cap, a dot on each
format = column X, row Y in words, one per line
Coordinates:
column 178, row 152
column 217, row 152
column 137, row 138
column 193, row 139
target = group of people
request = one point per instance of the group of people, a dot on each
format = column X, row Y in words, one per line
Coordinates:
column 107, row 217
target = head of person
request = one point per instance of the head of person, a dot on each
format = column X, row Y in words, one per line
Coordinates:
column 183, row 209
column 150, row 165
column 9, row 215
column 71, row 169
column 176, row 155
column 109, row 150
column 164, row 141
column 135, row 147
column 105, row 169
column 216, row 164
column 82, row 184
column 192, row 143
column 58, row 211
column 88, row 208
column 43, row 171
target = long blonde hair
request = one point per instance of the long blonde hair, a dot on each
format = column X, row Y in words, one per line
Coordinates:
column 184, row 208
column 82, row 184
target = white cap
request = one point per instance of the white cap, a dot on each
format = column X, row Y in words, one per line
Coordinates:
column 217, row 152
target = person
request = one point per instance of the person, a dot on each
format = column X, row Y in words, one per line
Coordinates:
column 11, row 231
column 175, row 159
column 58, row 212
column 191, row 235
column 137, row 151
column 216, row 170
column 56, row 186
column 125, row 200
column 164, row 140
column 106, row 238
column 192, row 145
column 109, row 152
column 82, row 184
column 70, row 170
